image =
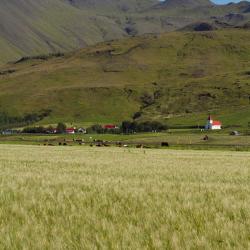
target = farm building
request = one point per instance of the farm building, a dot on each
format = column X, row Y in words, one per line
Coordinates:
column 213, row 125
column 82, row 130
column 110, row 126
column 9, row 132
column 52, row 131
column 70, row 131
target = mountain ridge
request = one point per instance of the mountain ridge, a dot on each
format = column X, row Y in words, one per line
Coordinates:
column 29, row 27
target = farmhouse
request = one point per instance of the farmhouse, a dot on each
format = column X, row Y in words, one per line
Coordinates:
column 52, row 131
column 213, row 125
column 70, row 131
column 82, row 130
column 110, row 126
column 9, row 132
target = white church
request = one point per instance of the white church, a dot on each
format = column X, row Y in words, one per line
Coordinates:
column 213, row 125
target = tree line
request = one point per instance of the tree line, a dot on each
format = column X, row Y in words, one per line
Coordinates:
column 7, row 120
column 127, row 127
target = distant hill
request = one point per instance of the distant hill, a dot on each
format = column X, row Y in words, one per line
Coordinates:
column 186, row 3
column 176, row 77
column 31, row 27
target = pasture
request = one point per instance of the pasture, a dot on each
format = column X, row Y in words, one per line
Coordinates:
column 177, row 78
column 177, row 139
column 115, row 198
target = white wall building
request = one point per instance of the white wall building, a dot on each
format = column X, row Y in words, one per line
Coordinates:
column 213, row 125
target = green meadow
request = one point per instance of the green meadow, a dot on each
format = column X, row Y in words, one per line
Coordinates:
column 176, row 139
column 177, row 78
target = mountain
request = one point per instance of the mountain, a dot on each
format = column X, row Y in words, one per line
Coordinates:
column 103, row 6
column 32, row 27
column 186, row 3
column 175, row 77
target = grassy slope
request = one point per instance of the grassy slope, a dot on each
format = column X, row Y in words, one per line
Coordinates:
column 57, row 198
column 173, row 75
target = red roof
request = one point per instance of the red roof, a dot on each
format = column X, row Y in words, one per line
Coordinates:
column 70, row 130
column 216, row 123
column 110, row 126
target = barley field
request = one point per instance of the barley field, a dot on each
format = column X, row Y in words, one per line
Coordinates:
column 113, row 198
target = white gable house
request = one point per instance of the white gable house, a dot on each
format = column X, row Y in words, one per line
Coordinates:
column 213, row 125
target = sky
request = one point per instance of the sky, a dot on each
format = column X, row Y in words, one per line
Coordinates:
column 225, row 1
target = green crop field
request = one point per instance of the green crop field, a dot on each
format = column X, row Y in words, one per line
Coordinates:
column 102, row 198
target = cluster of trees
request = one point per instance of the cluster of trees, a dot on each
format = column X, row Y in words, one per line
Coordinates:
column 98, row 129
column 5, row 119
column 127, row 127
column 8, row 120
column 34, row 130
column 61, row 128
column 147, row 126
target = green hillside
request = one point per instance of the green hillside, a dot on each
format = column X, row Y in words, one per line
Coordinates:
column 31, row 27
column 176, row 77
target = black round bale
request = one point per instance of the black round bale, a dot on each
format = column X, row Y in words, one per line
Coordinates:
column 165, row 144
